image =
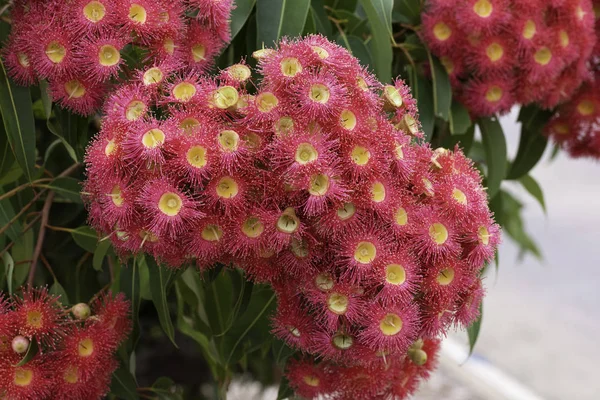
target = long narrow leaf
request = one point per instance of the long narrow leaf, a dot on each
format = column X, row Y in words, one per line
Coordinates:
column 278, row 18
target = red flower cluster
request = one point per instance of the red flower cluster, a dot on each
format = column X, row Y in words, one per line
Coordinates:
column 504, row 52
column 78, row 45
column 576, row 124
column 397, row 378
column 315, row 184
column 75, row 357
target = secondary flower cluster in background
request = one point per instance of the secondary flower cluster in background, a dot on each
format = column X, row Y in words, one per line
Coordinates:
column 576, row 124
column 79, row 46
column 499, row 53
column 75, row 350
column 314, row 183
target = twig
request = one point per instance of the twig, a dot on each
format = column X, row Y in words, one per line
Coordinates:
column 40, row 239
column 23, row 186
column 25, row 208
column 25, row 229
column 47, row 264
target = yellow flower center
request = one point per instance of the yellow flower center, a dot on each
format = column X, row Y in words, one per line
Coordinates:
column 153, row 138
column 35, row 319
column 212, row 233
column 184, row 91
column 108, row 55
column 390, row 325
column 543, row 56
column 348, row 120
column 135, row 110
column 401, row 216
column 138, row 14
column 319, row 185
column 360, row 155
column 365, row 252
column 75, row 89
column 290, row 66
column 284, row 125
column 442, row 31
column 483, row 8
column 23, row 377
column 228, row 141
column 494, row 52
column 494, row 94
column 55, row 52
column 198, row 52
column 153, row 76
column 342, row 341
column 529, row 29
column 299, row 248
column 170, row 204
column 94, row 11
column 438, row 233
column 311, row 380
column 564, row 38
column 324, row 282
column 23, row 60
column 321, row 52
column 189, row 125
column 110, row 148
column 395, row 274
column 448, row 64
column 586, row 108
column 196, row 156
column 459, row 196
column 253, row 227
column 239, row 72
column 393, row 96
column 85, row 347
column 378, row 192
column 227, row 188
column 116, row 196
column 305, row 154
column 169, row 45
column 266, row 101
column 288, row 222
column 346, row 212
column 71, row 374
column 319, row 93
column 483, row 235
column 445, row 277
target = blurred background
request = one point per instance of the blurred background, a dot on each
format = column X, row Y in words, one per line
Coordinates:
column 541, row 318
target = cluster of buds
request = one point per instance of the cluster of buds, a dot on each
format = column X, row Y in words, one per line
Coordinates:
column 316, row 183
column 499, row 53
column 79, row 46
column 575, row 125
column 75, row 348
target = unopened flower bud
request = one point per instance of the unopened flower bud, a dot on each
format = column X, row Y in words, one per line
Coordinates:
column 81, row 311
column 20, row 344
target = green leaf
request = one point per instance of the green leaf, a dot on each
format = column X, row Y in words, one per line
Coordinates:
column 424, row 97
column 473, row 330
column 123, row 385
column 534, row 189
column 9, row 267
column 310, row 27
column 31, row 352
column 100, row 253
column 67, row 188
column 407, row 11
column 17, row 115
column 494, row 144
column 166, row 389
column 9, row 167
column 7, row 213
column 379, row 14
column 322, row 22
column 130, row 285
column 460, row 120
column 72, row 130
column 512, row 222
column 240, row 14
column 86, row 238
column 278, row 18
column 22, row 252
column 359, row 50
column 285, row 391
column 532, row 143
column 159, row 280
column 58, row 290
column 442, row 91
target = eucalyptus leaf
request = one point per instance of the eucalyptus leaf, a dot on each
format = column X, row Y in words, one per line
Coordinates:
column 159, row 281
column 19, row 124
column 240, row 14
column 494, row 144
column 473, row 330
column 379, row 14
column 278, row 18
column 533, row 187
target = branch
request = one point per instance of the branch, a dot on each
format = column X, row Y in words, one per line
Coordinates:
column 40, row 239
